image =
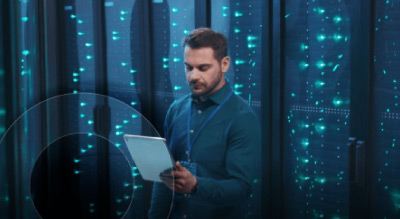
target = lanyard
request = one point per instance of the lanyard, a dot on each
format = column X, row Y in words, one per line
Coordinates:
column 190, row 143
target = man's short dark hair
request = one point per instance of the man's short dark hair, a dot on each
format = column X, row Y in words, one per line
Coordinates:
column 205, row 37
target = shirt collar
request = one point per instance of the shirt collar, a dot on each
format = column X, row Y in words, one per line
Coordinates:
column 219, row 96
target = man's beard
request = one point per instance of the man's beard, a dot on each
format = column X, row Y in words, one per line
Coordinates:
column 207, row 92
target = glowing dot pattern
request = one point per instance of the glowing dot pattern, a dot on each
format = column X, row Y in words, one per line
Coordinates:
column 317, row 50
column 386, row 195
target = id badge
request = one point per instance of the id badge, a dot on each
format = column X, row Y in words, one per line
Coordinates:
column 190, row 166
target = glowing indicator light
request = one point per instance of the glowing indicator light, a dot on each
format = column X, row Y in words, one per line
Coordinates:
column 177, row 87
column 165, row 66
column 126, row 121
column 80, row 33
column 90, row 122
column 134, row 116
column 238, row 14
column 305, row 143
column 320, row 64
column 225, row 8
column 132, row 83
column 124, row 64
column 337, row 37
column 88, row 44
column 174, row 10
column 174, row 24
column 24, row 19
column 118, row 126
column 175, row 45
column 236, row 30
column 286, row 16
column 115, row 37
column 336, row 66
column 83, row 104
column 88, row 57
column 2, row 112
column 239, row 62
column 77, row 172
column 303, row 65
column 319, row 84
column 124, row 12
column 75, row 80
column 340, row 56
column 133, row 103
column 337, row 19
column 73, row 16
column 77, row 160
column 321, row 37
column 83, row 150
column 384, row 71
column 80, row 21
column 176, row 59
column 25, row 52
column 337, row 102
column 82, row 115
column 303, row 47
column 251, row 46
column 250, row 38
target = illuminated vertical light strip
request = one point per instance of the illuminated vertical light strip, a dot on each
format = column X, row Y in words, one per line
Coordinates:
column 386, row 195
column 314, row 112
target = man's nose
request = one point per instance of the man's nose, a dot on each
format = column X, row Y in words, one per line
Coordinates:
column 194, row 74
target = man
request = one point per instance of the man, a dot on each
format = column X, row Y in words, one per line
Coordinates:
column 213, row 134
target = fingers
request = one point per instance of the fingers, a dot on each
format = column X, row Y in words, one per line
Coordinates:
column 179, row 166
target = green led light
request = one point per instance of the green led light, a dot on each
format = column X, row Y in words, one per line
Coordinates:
column 237, row 86
column 165, row 59
column 303, row 47
column 2, row 129
column 133, row 103
column 185, row 31
column 77, row 172
column 134, row 116
column 337, row 37
column 176, row 59
column 337, row 102
column 236, row 30
column 225, row 8
column 239, row 62
column 305, row 160
column 132, row 71
column 238, row 14
column 118, row 126
column 89, row 57
column 77, row 160
column 80, row 21
column 123, row 12
column 132, row 83
column 117, row 144
column 340, row 56
column 122, row 18
column 165, row 66
column 82, row 115
column 321, row 37
column 305, row 143
column 25, row 52
column 126, row 121
column 75, row 80
column 337, row 19
column 24, row 19
column 384, row 71
column 83, row 104
column 293, row 94
column 336, row 66
column 251, row 46
column 124, row 64
column 175, row 45
column 319, row 84
column 320, row 128
column 174, row 24
column 2, row 112
column 90, row 122
column 177, row 87
column 303, row 65
column 73, row 16
column 320, row 64
column 174, row 10
column 88, row 44
column 251, row 38
column 115, row 37
column 286, row 16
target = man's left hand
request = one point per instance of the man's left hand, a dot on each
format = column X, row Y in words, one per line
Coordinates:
column 184, row 181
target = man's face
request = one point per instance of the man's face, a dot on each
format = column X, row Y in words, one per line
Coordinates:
column 204, row 72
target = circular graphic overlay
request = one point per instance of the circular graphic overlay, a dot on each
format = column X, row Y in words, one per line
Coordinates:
column 79, row 176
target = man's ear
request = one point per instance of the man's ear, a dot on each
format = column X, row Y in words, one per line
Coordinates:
column 225, row 62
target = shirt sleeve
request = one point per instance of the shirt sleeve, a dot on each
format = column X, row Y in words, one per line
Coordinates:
column 242, row 157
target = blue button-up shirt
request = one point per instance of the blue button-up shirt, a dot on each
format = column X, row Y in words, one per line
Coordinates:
column 226, row 153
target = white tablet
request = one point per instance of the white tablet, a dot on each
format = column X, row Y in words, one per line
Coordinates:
column 150, row 154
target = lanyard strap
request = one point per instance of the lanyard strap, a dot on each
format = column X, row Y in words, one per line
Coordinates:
column 190, row 143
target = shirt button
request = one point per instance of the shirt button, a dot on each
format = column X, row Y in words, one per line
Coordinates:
column 191, row 131
column 199, row 111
